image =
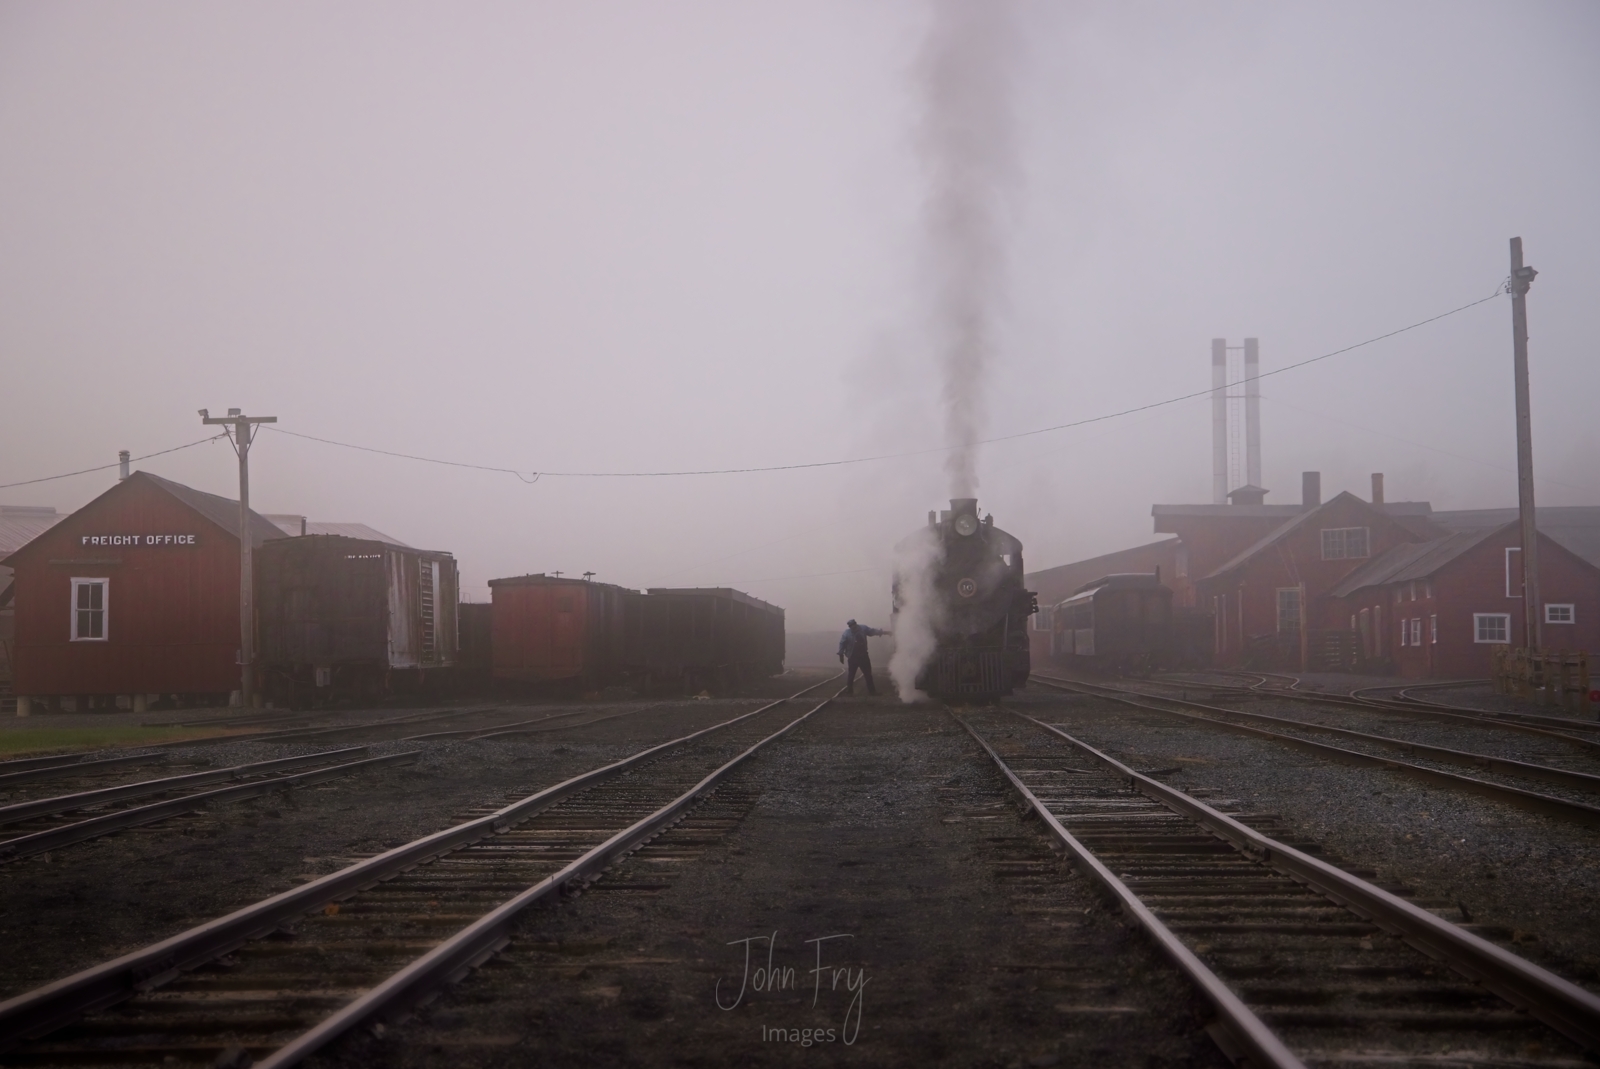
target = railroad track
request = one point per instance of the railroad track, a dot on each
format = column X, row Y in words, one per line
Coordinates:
column 49, row 823
column 1304, row 963
column 1573, row 804
column 280, row 979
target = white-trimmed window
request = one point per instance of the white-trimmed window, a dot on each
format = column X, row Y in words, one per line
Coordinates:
column 1403, row 631
column 1559, row 613
column 1344, row 543
column 1288, row 610
column 1416, row 631
column 1041, row 620
column 89, row 599
column 1433, row 630
column 1513, row 571
column 1491, row 626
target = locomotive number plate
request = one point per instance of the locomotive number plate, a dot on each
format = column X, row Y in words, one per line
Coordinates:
column 967, row 587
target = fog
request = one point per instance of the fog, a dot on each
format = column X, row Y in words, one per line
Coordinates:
column 607, row 238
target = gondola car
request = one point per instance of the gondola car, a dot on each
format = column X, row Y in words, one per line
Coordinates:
column 965, row 577
column 1118, row 623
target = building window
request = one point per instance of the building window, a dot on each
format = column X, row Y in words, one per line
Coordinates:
column 1557, row 614
column 1399, row 595
column 1041, row 620
column 1416, row 631
column 1413, row 592
column 1514, row 572
column 1427, row 590
column 1289, row 609
column 1491, row 626
column 89, row 609
column 1402, row 624
column 1344, row 543
column 1433, row 630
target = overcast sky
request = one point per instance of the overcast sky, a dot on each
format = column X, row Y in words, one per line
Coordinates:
column 608, row 237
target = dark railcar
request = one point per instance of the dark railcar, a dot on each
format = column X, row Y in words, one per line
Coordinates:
column 701, row 637
column 547, row 629
column 971, row 576
column 352, row 616
column 1118, row 622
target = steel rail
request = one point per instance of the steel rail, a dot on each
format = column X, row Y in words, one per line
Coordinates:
column 43, row 1009
column 1365, row 696
column 1507, row 765
column 1548, row 804
column 1559, row 1003
column 491, row 933
column 94, row 827
column 74, row 768
column 17, row 764
column 1442, row 713
column 65, row 803
column 1253, row 1043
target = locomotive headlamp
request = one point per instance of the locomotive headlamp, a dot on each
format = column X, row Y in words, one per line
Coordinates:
column 967, row 587
column 966, row 524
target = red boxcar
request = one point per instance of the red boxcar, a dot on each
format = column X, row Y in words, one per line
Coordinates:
column 552, row 630
column 134, row 596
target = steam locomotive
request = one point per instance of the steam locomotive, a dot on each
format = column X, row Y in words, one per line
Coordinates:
column 962, row 578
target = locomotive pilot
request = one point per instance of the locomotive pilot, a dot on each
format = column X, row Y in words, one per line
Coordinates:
column 853, row 652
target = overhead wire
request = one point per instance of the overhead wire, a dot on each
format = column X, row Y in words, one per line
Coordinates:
column 108, row 467
column 531, row 476
column 909, row 453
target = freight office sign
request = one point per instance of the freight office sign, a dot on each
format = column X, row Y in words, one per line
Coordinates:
column 141, row 540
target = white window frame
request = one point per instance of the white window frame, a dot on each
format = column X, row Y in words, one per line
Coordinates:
column 105, row 609
column 1416, row 630
column 1478, row 620
column 1513, row 591
column 1041, row 619
column 1341, row 544
column 1405, row 630
column 1433, row 629
column 1571, row 612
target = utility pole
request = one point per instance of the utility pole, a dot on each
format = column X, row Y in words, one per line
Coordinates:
column 1532, row 609
column 241, row 432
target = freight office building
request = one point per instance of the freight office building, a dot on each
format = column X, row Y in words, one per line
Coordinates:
column 132, row 599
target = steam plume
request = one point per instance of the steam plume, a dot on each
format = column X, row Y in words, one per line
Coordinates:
column 964, row 145
column 965, row 150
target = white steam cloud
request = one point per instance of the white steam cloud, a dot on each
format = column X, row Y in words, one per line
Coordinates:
column 964, row 145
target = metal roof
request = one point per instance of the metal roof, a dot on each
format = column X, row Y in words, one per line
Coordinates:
column 1411, row 560
column 1119, row 581
column 1575, row 528
column 21, row 524
column 1392, row 508
column 219, row 510
column 293, row 524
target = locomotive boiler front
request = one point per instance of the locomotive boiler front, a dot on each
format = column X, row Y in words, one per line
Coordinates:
column 970, row 584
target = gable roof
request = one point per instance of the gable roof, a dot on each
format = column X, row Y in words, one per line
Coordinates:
column 219, row 510
column 294, row 525
column 1575, row 528
column 1411, row 560
column 1280, row 533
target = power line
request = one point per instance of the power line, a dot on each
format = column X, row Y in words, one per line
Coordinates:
column 536, row 475
column 108, row 467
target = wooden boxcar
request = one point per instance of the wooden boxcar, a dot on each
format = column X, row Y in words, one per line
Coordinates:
column 547, row 629
column 701, row 637
column 352, row 616
column 1118, row 622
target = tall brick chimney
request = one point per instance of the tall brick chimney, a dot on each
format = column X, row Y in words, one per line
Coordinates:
column 1377, row 488
column 1310, row 489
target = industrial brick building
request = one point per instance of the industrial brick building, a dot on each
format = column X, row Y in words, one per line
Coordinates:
column 1285, row 586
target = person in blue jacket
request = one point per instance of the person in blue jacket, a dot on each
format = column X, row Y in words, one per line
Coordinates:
column 853, row 652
